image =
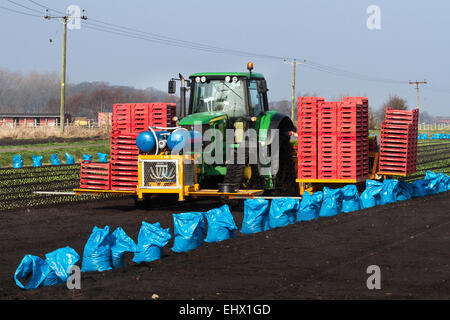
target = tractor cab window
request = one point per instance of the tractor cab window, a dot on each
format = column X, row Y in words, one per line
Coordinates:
column 219, row 95
column 256, row 103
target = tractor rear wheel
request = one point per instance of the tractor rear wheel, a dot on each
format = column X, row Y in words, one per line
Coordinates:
column 285, row 183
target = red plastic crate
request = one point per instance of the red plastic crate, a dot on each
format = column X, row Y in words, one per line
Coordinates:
column 95, row 176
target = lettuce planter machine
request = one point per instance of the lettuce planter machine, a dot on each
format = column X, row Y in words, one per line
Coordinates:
column 333, row 147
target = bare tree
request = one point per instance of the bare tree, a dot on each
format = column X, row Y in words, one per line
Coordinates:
column 394, row 102
column 40, row 92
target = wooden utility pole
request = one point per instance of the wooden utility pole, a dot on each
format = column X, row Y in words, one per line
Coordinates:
column 64, row 20
column 417, row 83
column 294, row 65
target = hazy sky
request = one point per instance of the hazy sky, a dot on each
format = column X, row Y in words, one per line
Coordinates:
column 412, row 44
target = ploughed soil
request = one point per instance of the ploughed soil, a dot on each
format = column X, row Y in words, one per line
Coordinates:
column 322, row 259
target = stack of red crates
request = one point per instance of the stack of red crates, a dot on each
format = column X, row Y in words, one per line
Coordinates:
column 333, row 138
column 353, row 138
column 307, row 137
column 398, row 147
column 124, row 164
column 129, row 119
column 95, row 175
column 327, row 140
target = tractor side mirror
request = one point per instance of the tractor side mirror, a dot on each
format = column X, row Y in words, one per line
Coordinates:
column 262, row 86
column 172, row 86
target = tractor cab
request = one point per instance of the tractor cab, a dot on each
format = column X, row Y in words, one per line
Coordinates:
column 238, row 95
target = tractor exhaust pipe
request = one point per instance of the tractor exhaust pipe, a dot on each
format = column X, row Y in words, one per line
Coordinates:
column 182, row 97
column 183, row 89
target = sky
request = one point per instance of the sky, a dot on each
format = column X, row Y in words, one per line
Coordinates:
column 410, row 43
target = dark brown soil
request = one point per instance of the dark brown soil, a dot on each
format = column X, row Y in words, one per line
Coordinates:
column 322, row 259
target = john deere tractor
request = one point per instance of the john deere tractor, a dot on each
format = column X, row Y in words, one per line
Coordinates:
column 228, row 120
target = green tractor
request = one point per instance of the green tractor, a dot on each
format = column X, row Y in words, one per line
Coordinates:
column 234, row 104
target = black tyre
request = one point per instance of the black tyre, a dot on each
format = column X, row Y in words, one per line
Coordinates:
column 284, row 178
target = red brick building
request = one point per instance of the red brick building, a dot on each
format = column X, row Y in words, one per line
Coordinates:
column 443, row 120
column 29, row 119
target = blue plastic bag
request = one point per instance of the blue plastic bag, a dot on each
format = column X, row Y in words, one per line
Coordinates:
column 97, row 251
column 87, row 157
column 55, row 160
column 310, row 206
column 447, row 182
column 102, row 157
column 436, row 182
column 350, row 198
column 151, row 240
column 120, row 243
column 332, row 202
column 37, row 161
column 389, row 192
column 371, row 196
column 189, row 229
column 282, row 212
column 69, row 159
column 61, row 260
column 17, row 161
column 405, row 191
column 221, row 225
column 419, row 188
column 256, row 216
column 41, row 273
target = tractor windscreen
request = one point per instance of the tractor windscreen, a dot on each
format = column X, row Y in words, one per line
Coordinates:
column 220, row 95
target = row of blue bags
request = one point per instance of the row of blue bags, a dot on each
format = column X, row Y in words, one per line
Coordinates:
column 392, row 190
column 189, row 228
column 329, row 202
column 54, row 160
column 434, row 136
column 103, row 251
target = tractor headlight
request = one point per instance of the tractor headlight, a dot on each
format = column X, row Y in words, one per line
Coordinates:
column 203, row 79
column 227, row 78
column 197, row 79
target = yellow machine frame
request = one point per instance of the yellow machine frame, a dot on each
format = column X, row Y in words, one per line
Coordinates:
column 310, row 184
column 182, row 190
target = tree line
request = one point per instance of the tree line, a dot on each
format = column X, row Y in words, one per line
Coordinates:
column 40, row 93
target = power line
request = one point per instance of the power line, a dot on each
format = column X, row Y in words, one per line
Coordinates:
column 20, row 12
column 134, row 33
column 46, row 7
column 165, row 40
column 25, row 7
